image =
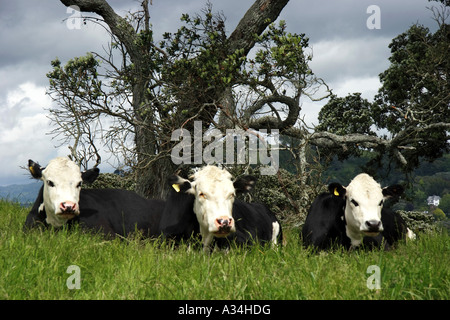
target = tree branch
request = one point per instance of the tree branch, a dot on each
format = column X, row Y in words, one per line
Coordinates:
column 254, row 22
column 118, row 25
column 269, row 121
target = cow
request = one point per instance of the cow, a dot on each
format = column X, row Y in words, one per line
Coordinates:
column 61, row 201
column 207, row 207
column 354, row 215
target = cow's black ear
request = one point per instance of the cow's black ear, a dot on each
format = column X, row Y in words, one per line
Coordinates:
column 337, row 189
column 179, row 184
column 244, row 183
column 35, row 169
column 393, row 191
column 89, row 176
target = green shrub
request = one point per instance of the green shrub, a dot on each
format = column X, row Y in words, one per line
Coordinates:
column 418, row 221
column 284, row 194
column 112, row 181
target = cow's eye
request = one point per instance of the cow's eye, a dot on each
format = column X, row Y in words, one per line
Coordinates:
column 381, row 203
column 79, row 185
column 202, row 195
column 50, row 183
column 231, row 196
column 355, row 203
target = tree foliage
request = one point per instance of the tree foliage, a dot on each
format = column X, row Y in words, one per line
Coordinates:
column 412, row 105
column 135, row 94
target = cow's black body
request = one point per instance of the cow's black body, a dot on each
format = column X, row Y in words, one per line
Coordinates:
column 178, row 221
column 111, row 211
column 253, row 221
column 324, row 227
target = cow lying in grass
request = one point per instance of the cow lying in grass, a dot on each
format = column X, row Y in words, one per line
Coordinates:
column 207, row 206
column 354, row 215
column 62, row 201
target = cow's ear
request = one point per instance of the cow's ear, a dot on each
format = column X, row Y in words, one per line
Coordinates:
column 35, row 169
column 244, row 183
column 89, row 176
column 179, row 184
column 393, row 191
column 337, row 189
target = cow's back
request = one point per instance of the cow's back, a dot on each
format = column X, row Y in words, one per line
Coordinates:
column 394, row 227
column 178, row 220
column 115, row 211
column 255, row 223
column 36, row 217
column 324, row 225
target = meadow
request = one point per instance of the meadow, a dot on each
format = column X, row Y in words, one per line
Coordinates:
column 75, row 265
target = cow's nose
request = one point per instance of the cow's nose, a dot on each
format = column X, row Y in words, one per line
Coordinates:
column 224, row 224
column 68, row 206
column 373, row 225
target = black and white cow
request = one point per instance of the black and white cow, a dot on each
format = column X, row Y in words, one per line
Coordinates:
column 61, row 200
column 354, row 215
column 207, row 206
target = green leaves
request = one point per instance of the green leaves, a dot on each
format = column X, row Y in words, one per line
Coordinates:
column 415, row 87
column 281, row 53
column 79, row 75
column 351, row 114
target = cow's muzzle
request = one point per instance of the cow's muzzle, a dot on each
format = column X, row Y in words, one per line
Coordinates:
column 68, row 210
column 373, row 227
column 224, row 226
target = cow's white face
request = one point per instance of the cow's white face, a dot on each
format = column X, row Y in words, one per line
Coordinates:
column 62, row 184
column 363, row 205
column 214, row 196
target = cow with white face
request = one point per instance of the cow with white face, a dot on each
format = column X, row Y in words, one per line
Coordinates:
column 354, row 215
column 214, row 196
column 62, row 201
column 364, row 200
column 208, row 205
column 61, row 190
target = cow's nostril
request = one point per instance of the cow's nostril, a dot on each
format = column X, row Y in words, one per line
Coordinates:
column 373, row 224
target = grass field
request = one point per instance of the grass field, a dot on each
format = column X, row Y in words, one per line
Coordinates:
column 35, row 265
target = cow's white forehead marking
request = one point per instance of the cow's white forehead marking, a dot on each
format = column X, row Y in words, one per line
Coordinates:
column 61, row 168
column 365, row 187
column 212, row 172
column 213, row 179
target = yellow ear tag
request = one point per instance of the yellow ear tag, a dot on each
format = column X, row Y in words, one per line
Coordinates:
column 176, row 187
column 31, row 169
column 336, row 193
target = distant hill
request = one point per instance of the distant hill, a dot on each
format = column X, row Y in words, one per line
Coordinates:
column 25, row 194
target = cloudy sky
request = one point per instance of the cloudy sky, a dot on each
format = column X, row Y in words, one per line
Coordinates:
column 346, row 54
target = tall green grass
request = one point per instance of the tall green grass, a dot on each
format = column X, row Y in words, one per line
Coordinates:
column 33, row 265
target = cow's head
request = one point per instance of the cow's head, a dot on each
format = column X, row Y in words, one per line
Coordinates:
column 62, row 184
column 364, row 202
column 214, row 193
